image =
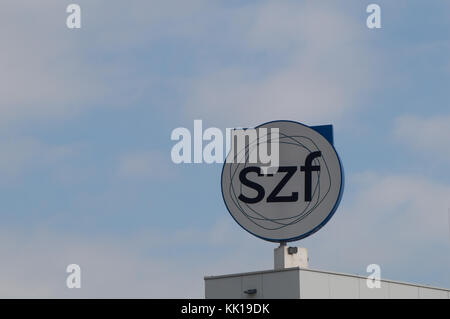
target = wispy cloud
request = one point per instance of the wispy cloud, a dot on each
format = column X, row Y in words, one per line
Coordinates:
column 397, row 220
column 43, row 74
column 21, row 154
column 428, row 135
column 151, row 265
column 326, row 67
column 49, row 72
column 146, row 164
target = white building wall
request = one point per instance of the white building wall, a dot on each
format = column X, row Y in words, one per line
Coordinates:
column 295, row 283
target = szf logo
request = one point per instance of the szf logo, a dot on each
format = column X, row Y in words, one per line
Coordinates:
column 293, row 200
column 274, row 196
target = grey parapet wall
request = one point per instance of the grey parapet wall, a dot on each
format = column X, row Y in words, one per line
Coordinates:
column 299, row 283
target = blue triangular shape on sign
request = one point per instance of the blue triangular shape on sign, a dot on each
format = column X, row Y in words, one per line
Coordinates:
column 326, row 131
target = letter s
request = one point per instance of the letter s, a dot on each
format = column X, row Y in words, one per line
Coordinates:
column 244, row 180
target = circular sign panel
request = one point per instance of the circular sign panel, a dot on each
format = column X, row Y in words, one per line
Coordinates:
column 293, row 198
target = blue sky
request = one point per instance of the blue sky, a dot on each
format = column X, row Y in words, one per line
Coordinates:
column 86, row 117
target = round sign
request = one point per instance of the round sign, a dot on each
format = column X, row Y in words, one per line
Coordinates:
column 294, row 199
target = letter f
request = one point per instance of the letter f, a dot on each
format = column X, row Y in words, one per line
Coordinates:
column 308, row 169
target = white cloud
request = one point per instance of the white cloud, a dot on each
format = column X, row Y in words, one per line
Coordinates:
column 322, row 68
column 20, row 154
column 34, row 263
column 397, row 221
column 34, row 266
column 410, row 207
column 51, row 72
column 43, row 73
column 145, row 164
column 425, row 134
column 325, row 66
